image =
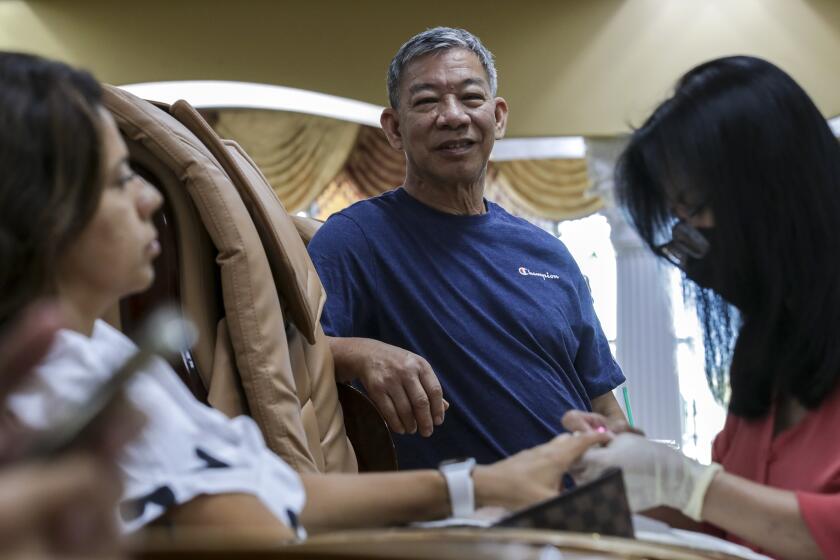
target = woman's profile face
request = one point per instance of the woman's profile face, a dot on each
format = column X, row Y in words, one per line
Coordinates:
column 113, row 255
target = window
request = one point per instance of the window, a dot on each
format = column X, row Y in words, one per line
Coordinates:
column 703, row 417
column 588, row 240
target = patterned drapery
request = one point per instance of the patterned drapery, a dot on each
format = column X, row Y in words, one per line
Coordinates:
column 555, row 189
column 374, row 166
column 299, row 154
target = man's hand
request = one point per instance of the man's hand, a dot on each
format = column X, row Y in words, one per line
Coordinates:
column 400, row 383
column 532, row 475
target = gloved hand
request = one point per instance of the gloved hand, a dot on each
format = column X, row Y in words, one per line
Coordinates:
column 654, row 474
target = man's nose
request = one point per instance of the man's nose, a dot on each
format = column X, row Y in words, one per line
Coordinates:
column 452, row 114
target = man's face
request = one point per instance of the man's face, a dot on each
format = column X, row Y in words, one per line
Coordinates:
column 447, row 121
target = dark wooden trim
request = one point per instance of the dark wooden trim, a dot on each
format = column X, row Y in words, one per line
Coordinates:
column 367, row 431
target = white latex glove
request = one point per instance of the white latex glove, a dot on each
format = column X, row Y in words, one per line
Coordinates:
column 654, row 474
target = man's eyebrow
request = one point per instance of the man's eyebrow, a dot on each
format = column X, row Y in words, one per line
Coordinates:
column 426, row 85
column 473, row 82
column 418, row 87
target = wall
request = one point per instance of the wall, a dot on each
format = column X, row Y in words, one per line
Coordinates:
column 566, row 67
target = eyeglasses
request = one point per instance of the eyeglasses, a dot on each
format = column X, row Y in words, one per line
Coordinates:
column 686, row 242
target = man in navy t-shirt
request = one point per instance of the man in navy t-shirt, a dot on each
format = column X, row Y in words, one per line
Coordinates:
column 434, row 292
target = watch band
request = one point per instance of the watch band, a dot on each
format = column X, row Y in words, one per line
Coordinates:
column 459, row 482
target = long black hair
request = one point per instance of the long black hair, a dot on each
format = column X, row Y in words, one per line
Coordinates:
column 50, row 171
column 741, row 138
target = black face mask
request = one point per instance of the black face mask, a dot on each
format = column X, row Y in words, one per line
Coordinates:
column 706, row 274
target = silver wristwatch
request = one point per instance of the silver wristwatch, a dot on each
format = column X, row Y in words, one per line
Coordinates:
column 458, row 476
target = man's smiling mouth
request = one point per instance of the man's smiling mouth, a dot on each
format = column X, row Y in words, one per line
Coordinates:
column 455, row 145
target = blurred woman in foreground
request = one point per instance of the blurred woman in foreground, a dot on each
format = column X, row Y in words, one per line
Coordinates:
column 736, row 180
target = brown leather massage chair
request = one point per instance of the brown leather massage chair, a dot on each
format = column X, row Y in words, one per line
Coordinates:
column 234, row 261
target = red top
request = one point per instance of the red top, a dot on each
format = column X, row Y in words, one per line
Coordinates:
column 804, row 458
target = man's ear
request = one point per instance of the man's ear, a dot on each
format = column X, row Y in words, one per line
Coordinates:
column 501, row 113
column 390, row 121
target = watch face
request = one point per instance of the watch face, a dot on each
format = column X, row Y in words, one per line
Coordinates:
column 454, row 461
column 467, row 462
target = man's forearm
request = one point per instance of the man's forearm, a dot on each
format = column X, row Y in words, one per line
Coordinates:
column 401, row 384
column 345, row 353
column 607, row 406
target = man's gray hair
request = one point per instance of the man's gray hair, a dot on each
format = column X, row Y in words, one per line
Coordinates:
column 437, row 39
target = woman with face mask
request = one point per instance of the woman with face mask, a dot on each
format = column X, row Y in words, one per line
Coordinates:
column 735, row 179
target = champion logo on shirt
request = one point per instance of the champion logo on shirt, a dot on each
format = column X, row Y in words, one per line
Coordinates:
column 544, row 275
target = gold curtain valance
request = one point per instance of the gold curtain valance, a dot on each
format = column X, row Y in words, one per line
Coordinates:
column 374, row 166
column 556, row 189
column 299, row 154
column 305, row 157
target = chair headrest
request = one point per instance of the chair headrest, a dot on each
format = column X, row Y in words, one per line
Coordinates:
column 295, row 275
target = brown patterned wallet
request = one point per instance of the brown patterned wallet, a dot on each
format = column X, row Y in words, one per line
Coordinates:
column 599, row 506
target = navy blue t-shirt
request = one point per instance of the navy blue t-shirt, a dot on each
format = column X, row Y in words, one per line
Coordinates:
column 496, row 305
